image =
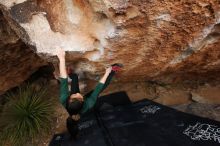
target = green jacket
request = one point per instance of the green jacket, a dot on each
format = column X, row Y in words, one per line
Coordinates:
column 89, row 102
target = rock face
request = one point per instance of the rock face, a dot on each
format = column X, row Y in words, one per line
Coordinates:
column 204, row 110
column 166, row 41
column 207, row 94
column 17, row 60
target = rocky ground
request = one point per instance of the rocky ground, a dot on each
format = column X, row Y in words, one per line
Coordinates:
column 198, row 99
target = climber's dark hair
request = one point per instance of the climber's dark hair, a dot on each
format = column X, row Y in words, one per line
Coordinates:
column 74, row 106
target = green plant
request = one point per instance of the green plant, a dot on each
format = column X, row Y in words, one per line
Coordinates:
column 27, row 114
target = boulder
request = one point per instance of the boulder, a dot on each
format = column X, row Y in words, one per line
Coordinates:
column 17, row 60
column 172, row 96
column 166, row 41
column 207, row 94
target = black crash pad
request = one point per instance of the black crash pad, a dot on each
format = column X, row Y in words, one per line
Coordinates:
column 144, row 123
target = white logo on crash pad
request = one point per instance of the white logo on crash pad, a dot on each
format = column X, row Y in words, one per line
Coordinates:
column 150, row 109
column 86, row 124
column 203, row 132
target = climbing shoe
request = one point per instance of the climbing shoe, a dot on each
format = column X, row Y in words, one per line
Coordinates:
column 116, row 67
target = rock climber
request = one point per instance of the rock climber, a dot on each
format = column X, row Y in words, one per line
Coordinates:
column 75, row 103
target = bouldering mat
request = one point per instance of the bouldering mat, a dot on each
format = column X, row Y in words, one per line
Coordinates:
column 144, row 123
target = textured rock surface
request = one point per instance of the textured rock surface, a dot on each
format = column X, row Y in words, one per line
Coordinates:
column 211, row 111
column 207, row 94
column 173, row 96
column 17, row 61
column 166, row 40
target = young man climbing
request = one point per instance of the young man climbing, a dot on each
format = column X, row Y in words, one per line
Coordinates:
column 74, row 102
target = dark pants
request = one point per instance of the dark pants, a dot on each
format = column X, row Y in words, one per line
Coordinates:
column 75, row 83
column 72, row 127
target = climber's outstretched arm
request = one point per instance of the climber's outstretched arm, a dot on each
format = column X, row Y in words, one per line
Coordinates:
column 64, row 93
column 62, row 65
column 90, row 101
column 104, row 78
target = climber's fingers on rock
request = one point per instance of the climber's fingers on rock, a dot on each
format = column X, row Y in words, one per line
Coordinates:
column 108, row 69
column 60, row 52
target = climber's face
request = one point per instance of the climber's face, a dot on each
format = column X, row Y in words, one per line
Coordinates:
column 77, row 96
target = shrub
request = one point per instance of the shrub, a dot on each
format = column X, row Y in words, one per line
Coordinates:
column 27, row 114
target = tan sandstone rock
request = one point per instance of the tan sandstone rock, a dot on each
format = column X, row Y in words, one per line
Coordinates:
column 172, row 95
column 167, row 41
column 17, row 60
column 207, row 94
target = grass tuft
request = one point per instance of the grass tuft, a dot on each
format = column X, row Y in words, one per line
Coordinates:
column 27, row 114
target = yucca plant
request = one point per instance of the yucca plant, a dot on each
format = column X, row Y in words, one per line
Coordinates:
column 28, row 113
